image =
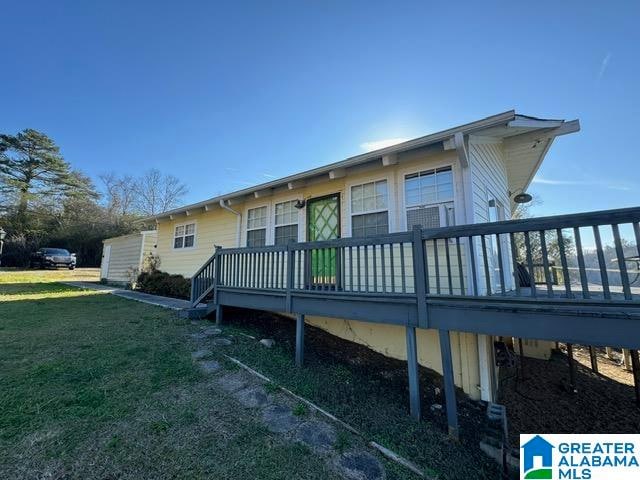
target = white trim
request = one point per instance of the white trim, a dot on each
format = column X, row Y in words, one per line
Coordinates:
column 267, row 226
column 455, row 173
column 195, row 236
column 286, row 200
column 376, row 176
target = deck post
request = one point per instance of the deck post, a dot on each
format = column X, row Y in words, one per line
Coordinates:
column 420, row 276
column 635, row 363
column 449, row 385
column 572, row 368
column 412, row 367
column 594, row 358
column 299, row 339
column 626, row 360
column 521, row 362
column 216, row 282
column 291, row 266
column 609, row 352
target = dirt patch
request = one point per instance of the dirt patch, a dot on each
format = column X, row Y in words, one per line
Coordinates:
column 367, row 390
column 542, row 402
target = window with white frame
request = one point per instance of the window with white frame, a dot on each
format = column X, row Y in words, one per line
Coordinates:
column 370, row 209
column 286, row 224
column 184, row 236
column 429, row 198
column 257, row 227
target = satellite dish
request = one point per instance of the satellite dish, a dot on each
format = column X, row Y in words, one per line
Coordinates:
column 522, row 198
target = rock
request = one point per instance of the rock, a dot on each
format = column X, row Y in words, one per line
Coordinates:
column 222, row 341
column 232, row 382
column 199, row 354
column 317, row 435
column 279, row 419
column 361, row 466
column 268, row 342
column 209, row 366
column 436, row 407
column 210, row 331
column 198, row 336
column 252, row 397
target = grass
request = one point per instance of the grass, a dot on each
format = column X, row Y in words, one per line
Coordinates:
column 96, row 386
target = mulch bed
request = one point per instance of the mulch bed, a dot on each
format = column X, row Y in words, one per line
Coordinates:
column 542, row 402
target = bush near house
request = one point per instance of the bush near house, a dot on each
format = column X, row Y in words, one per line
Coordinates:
column 162, row 283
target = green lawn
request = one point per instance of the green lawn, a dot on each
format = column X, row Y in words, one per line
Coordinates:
column 96, row 386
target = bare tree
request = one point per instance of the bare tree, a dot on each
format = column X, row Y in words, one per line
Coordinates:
column 157, row 192
column 120, row 192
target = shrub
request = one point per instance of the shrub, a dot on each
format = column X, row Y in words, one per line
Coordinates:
column 162, row 283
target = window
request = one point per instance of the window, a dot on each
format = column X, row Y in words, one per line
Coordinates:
column 184, row 236
column 369, row 209
column 257, row 227
column 429, row 198
column 286, row 222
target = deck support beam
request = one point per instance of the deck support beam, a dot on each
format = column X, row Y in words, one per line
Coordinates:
column 572, row 369
column 594, row 358
column 449, row 385
column 299, row 340
column 218, row 314
column 635, row 363
column 412, row 367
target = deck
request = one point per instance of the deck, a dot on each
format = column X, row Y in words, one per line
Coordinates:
column 465, row 278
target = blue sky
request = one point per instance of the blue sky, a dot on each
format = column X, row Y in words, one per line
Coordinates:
column 229, row 94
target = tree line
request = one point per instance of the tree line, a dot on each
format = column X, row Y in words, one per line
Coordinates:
column 45, row 202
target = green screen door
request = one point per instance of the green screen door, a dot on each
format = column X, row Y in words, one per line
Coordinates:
column 323, row 223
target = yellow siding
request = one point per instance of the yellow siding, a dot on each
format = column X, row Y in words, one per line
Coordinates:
column 218, row 227
column 390, row 340
column 124, row 258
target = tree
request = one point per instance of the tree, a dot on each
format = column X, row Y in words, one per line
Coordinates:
column 33, row 173
column 151, row 193
column 121, row 193
column 158, row 193
column 551, row 241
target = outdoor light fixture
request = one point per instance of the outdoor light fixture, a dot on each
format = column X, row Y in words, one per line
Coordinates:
column 3, row 234
column 522, row 198
column 300, row 204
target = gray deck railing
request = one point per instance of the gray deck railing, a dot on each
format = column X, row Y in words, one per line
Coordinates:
column 203, row 281
column 494, row 279
column 576, row 257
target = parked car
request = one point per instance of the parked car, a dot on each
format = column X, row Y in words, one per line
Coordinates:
column 53, row 258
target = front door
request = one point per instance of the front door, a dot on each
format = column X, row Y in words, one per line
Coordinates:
column 323, row 223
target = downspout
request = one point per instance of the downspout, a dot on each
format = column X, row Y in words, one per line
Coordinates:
column 238, row 215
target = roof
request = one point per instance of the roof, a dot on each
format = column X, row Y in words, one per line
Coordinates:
column 134, row 234
column 504, row 125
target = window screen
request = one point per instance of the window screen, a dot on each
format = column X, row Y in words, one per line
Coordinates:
column 257, row 227
column 184, row 236
column 286, row 222
column 370, row 224
column 369, row 204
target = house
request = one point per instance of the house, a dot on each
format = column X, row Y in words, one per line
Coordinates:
column 537, row 447
column 122, row 257
column 468, row 174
